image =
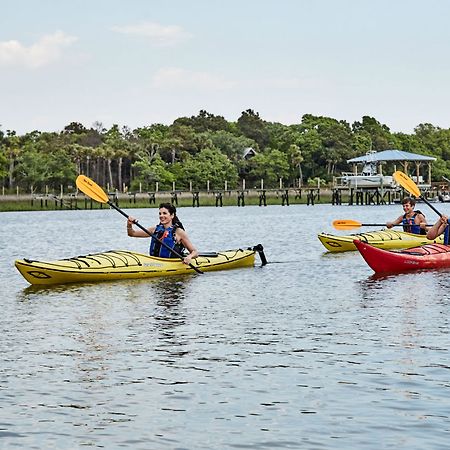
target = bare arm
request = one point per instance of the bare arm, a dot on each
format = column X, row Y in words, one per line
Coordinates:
column 183, row 238
column 137, row 233
column 397, row 221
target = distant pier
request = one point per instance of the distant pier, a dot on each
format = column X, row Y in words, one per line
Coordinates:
column 337, row 195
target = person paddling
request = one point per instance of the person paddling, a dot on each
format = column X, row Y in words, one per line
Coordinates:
column 441, row 226
column 412, row 221
column 170, row 231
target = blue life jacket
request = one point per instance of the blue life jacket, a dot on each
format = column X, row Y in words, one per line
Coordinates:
column 447, row 235
column 410, row 226
column 166, row 235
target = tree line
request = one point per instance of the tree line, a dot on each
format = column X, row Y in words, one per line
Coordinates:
column 206, row 148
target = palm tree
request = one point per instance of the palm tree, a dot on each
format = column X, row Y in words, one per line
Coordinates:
column 12, row 152
column 296, row 161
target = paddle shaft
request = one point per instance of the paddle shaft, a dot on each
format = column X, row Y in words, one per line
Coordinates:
column 152, row 235
column 378, row 225
column 350, row 224
column 431, row 206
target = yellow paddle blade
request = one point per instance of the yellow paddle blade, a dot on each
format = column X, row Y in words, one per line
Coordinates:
column 91, row 189
column 405, row 182
column 346, row 224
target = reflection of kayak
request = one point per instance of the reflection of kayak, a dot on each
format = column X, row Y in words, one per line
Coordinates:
column 118, row 264
column 430, row 256
column 388, row 239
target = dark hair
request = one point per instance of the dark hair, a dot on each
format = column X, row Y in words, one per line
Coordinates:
column 172, row 210
column 409, row 200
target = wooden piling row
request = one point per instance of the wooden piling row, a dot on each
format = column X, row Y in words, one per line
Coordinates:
column 361, row 196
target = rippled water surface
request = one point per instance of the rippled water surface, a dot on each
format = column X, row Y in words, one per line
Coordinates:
column 310, row 351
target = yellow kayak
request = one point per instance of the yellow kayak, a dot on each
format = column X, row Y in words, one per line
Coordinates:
column 387, row 239
column 119, row 264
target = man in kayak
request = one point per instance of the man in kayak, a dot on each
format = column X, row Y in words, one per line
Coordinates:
column 170, row 231
column 441, row 226
column 412, row 221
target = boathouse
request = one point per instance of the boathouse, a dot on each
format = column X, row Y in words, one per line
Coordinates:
column 370, row 185
column 413, row 164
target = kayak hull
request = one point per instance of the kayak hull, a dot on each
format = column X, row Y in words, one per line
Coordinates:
column 119, row 264
column 387, row 239
column 429, row 256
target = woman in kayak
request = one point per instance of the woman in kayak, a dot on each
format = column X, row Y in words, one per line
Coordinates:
column 170, row 231
column 441, row 226
column 412, row 221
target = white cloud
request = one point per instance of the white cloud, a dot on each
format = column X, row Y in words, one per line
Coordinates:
column 158, row 34
column 173, row 77
column 44, row 51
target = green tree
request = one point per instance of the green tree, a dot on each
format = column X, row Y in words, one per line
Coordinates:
column 153, row 145
column 79, row 154
column 229, row 144
column 336, row 145
column 75, row 128
column 380, row 134
column 3, row 159
column 362, row 143
column 270, row 166
column 3, row 162
column 252, row 126
column 151, row 140
column 12, row 150
column 116, row 148
column 434, row 141
column 295, row 158
column 148, row 173
column 208, row 165
column 37, row 169
column 310, row 146
column 203, row 122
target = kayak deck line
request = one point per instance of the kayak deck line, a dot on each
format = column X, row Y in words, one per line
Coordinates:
column 112, row 257
column 429, row 249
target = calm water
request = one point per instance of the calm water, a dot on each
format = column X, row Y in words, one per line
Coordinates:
column 309, row 352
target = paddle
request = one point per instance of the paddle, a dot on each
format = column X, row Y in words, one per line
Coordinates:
column 94, row 191
column 350, row 224
column 406, row 183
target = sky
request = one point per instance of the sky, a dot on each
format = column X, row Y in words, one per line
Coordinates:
column 139, row 62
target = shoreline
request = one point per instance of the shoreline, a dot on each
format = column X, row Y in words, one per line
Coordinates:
column 258, row 197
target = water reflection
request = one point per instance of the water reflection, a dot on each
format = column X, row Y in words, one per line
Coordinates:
column 37, row 292
column 113, row 318
column 170, row 315
column 399, row 300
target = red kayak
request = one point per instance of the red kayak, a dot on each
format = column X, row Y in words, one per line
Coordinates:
column 430, row 256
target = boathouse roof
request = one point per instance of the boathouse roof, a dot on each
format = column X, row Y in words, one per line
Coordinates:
column 248, row 153
column 391, row 155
